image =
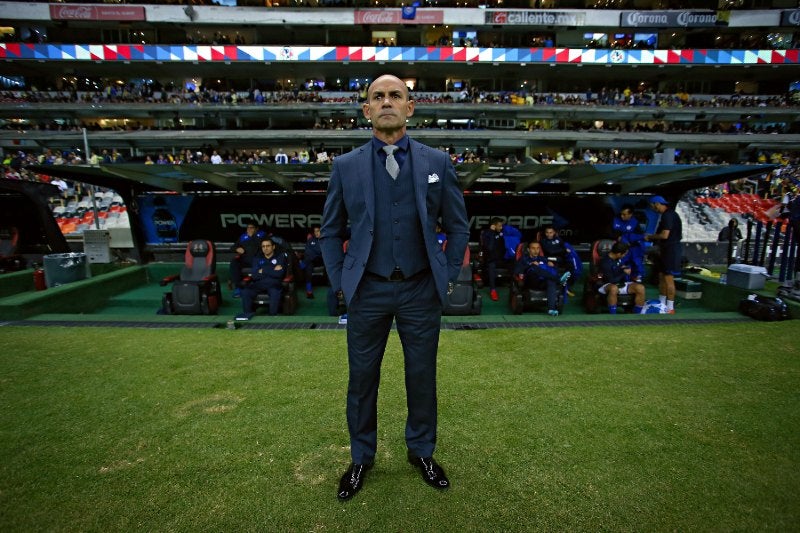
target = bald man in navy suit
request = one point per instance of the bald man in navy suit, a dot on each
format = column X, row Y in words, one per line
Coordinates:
column 390, row 193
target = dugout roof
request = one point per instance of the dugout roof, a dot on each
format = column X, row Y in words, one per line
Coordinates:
column 529, row 178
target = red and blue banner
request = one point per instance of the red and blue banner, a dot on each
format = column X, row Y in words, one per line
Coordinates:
column 445, row 54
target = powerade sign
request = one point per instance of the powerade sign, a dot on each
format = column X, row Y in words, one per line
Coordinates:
column 177, row 218
column 668, row 19
column 790, row 17
column 161, row 217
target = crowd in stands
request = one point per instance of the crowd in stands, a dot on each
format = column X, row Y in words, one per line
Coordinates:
column 146, row 95
column 156, row 94
column 14, row 165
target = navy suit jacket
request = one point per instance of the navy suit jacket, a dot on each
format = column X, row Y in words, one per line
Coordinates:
column 351, row 202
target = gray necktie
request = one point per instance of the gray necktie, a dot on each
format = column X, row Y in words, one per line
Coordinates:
column 391, row 163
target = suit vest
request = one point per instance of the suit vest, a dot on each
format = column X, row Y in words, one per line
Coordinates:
column 398, row 239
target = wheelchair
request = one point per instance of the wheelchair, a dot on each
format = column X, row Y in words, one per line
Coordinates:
column 464, row 300
column 523, row 298
column 196, row 289
column 593, row 301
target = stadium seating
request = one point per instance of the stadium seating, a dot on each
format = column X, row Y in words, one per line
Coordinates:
column 196, row 290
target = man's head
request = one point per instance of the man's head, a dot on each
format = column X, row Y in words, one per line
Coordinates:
column 496, row 224
column 618, row 249
column 658, row 203
column 626, row 212
column 534, row 249
column 251, row 229
column 388, row 106
column 267, row 246
column 550, row 232
column 315, row 230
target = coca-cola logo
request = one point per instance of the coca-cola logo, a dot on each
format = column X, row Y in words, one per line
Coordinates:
column 500, row 17
column 377, row 17
column 76, row 12
column 84, row 12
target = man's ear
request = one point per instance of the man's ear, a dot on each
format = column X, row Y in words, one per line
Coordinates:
column 365, row 110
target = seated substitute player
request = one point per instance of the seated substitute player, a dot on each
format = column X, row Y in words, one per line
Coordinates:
column 499, row 244
column 246, row 248
column 561, row 253
column 269, row 269
column 616, row 279
column 312, row 256
column 539, row 273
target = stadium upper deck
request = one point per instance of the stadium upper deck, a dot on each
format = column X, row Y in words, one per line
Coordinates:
column 562, row 48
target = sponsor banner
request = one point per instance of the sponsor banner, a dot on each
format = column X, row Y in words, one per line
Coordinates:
column 162, row 216
column 96, row 12
column 395, row 16
column 178, row 218
column 538, row 17
column 367, row 54
column 790, row 17
column 668, row 19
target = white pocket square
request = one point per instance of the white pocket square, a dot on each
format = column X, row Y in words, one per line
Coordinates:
column 433, row 178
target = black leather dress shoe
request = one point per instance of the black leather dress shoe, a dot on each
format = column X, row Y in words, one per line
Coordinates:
column 352, row 480
column 432, row 473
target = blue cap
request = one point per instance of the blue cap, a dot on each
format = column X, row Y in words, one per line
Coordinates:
column 658, row 200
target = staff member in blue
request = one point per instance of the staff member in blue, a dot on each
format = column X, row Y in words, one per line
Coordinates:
column 269, row 269
column 391, row 191
column 627, row 230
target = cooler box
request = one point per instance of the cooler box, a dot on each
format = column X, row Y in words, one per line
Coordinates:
column 747, row 276
column 65, row 268
column 688, row 290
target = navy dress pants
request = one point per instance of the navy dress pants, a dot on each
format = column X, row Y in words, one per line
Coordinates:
column 415, row 307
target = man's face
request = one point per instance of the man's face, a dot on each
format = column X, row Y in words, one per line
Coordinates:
column 317, row 232
column 625, row 214
column 388, row 105
column 550, row 233
column 251, row 230
column 534, row 249
column 267, row 247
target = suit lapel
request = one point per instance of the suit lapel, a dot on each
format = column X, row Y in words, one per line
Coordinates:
column 418, row 164
column 363, row 171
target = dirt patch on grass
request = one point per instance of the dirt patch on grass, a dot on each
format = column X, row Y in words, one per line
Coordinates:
column 214, row 404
